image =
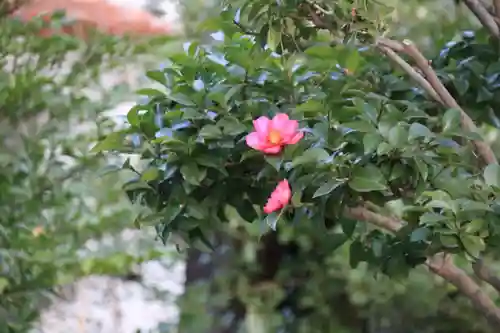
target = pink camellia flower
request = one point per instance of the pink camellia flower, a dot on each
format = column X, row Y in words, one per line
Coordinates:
column 279, row 198
column 271, row 136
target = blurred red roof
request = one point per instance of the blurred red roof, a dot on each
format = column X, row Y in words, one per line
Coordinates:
column 101, row 14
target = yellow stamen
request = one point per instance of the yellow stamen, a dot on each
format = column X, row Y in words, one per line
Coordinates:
column 274, row 137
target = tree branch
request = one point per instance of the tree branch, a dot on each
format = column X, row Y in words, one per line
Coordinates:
column 443, row 266
column 483, row 149
column 484, row 273
column 482, row 14
column 416, row 76
column 440, row 264
column 496, row 5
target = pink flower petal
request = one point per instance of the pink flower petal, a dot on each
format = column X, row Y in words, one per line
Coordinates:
column 253, row 140
column 280, row 121
column 262, row 126
column 279, row 198
column 272, row 149
column 283, row 192
column 295, row 138
column 271, row 206
column 286, row 127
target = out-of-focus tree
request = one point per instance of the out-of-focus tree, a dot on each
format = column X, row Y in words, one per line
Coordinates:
column 54, row 197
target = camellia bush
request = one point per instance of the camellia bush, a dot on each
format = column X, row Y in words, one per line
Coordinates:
column 313, row 126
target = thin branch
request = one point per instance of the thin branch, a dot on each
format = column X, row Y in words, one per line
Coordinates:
column 416, row 76
column 482, row 14
column 484, row 273
column 364, row 214
column 433, row 83
column 440, row 264
column 492, row 11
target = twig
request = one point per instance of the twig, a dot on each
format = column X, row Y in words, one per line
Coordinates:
column 484, row 273
column 440, row 264
column 482, row 14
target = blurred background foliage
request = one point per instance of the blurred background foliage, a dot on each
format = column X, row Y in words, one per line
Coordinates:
column 55, row 198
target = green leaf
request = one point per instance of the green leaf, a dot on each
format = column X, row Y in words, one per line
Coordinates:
column 336, row 240
column 474, row 245
column 439, row 199
column 274, row 161
column 196, row 210
column 328, row 187
column 231, row 92
column 112, row 142
column 151, row 92
column 133, row 115
column 462, row 85
column 4, row 283
column 467, row 205
column 272, row 220
column 150, row 174
column 311, row 156
column 353, row 60
column 200, row 241
column 368, row 178
column 321, row 51
column 368, row 111
column 360, row 126
column 449, row 241
column 451, row 120
column 312, row 106
column 210, row 132
column 419, row 235
column 348, row 226
column 491, row 175
column 231, row 126
column 422, row 167
column 149, row 220
column 476, row 225
column 432, row 218
column 357, row 253
column 419, row 131
column 398, row 136
column 273, row 38
column 172, row 211
column 192, row 173
column 371, row 141
column 181, row 99
column 158, row 76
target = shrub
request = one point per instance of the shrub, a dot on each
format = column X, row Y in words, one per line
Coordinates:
column 393, row 164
